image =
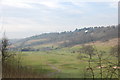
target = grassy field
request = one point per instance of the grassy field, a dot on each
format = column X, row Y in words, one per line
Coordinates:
column 66, row 62
column 63, row 62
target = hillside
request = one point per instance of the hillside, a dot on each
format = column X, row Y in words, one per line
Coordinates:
column 49, row 41
column 62, row 55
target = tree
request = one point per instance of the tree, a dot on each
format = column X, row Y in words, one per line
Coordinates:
column 6, row 55
column 114, row 51
column 88, row 49
column 4, row 49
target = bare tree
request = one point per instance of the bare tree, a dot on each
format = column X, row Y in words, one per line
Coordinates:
column 89, row 50
column 100, row 54
column 114, row 51
column 4, row 49
column 6, row 56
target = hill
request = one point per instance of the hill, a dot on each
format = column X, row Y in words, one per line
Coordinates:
column 48, row 41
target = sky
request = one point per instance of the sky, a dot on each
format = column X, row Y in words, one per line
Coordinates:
column 24, row 18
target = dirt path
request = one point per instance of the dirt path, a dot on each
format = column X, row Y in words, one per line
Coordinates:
column 55, row 68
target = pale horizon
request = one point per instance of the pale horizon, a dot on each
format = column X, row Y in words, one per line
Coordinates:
column 27, row 18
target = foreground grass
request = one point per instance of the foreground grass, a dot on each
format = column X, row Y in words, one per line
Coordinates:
column 64, row 63
column 60, row 62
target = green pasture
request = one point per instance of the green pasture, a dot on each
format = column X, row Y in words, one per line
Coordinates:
column 64, row 63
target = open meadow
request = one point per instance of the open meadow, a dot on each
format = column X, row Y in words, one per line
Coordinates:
column 68, row 62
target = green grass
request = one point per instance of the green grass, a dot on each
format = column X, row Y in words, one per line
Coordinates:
column 68, row 63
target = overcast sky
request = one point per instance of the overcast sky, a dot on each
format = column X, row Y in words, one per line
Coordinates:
column 24, row 18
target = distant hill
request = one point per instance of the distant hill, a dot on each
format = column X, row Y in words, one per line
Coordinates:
column 48, row 41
